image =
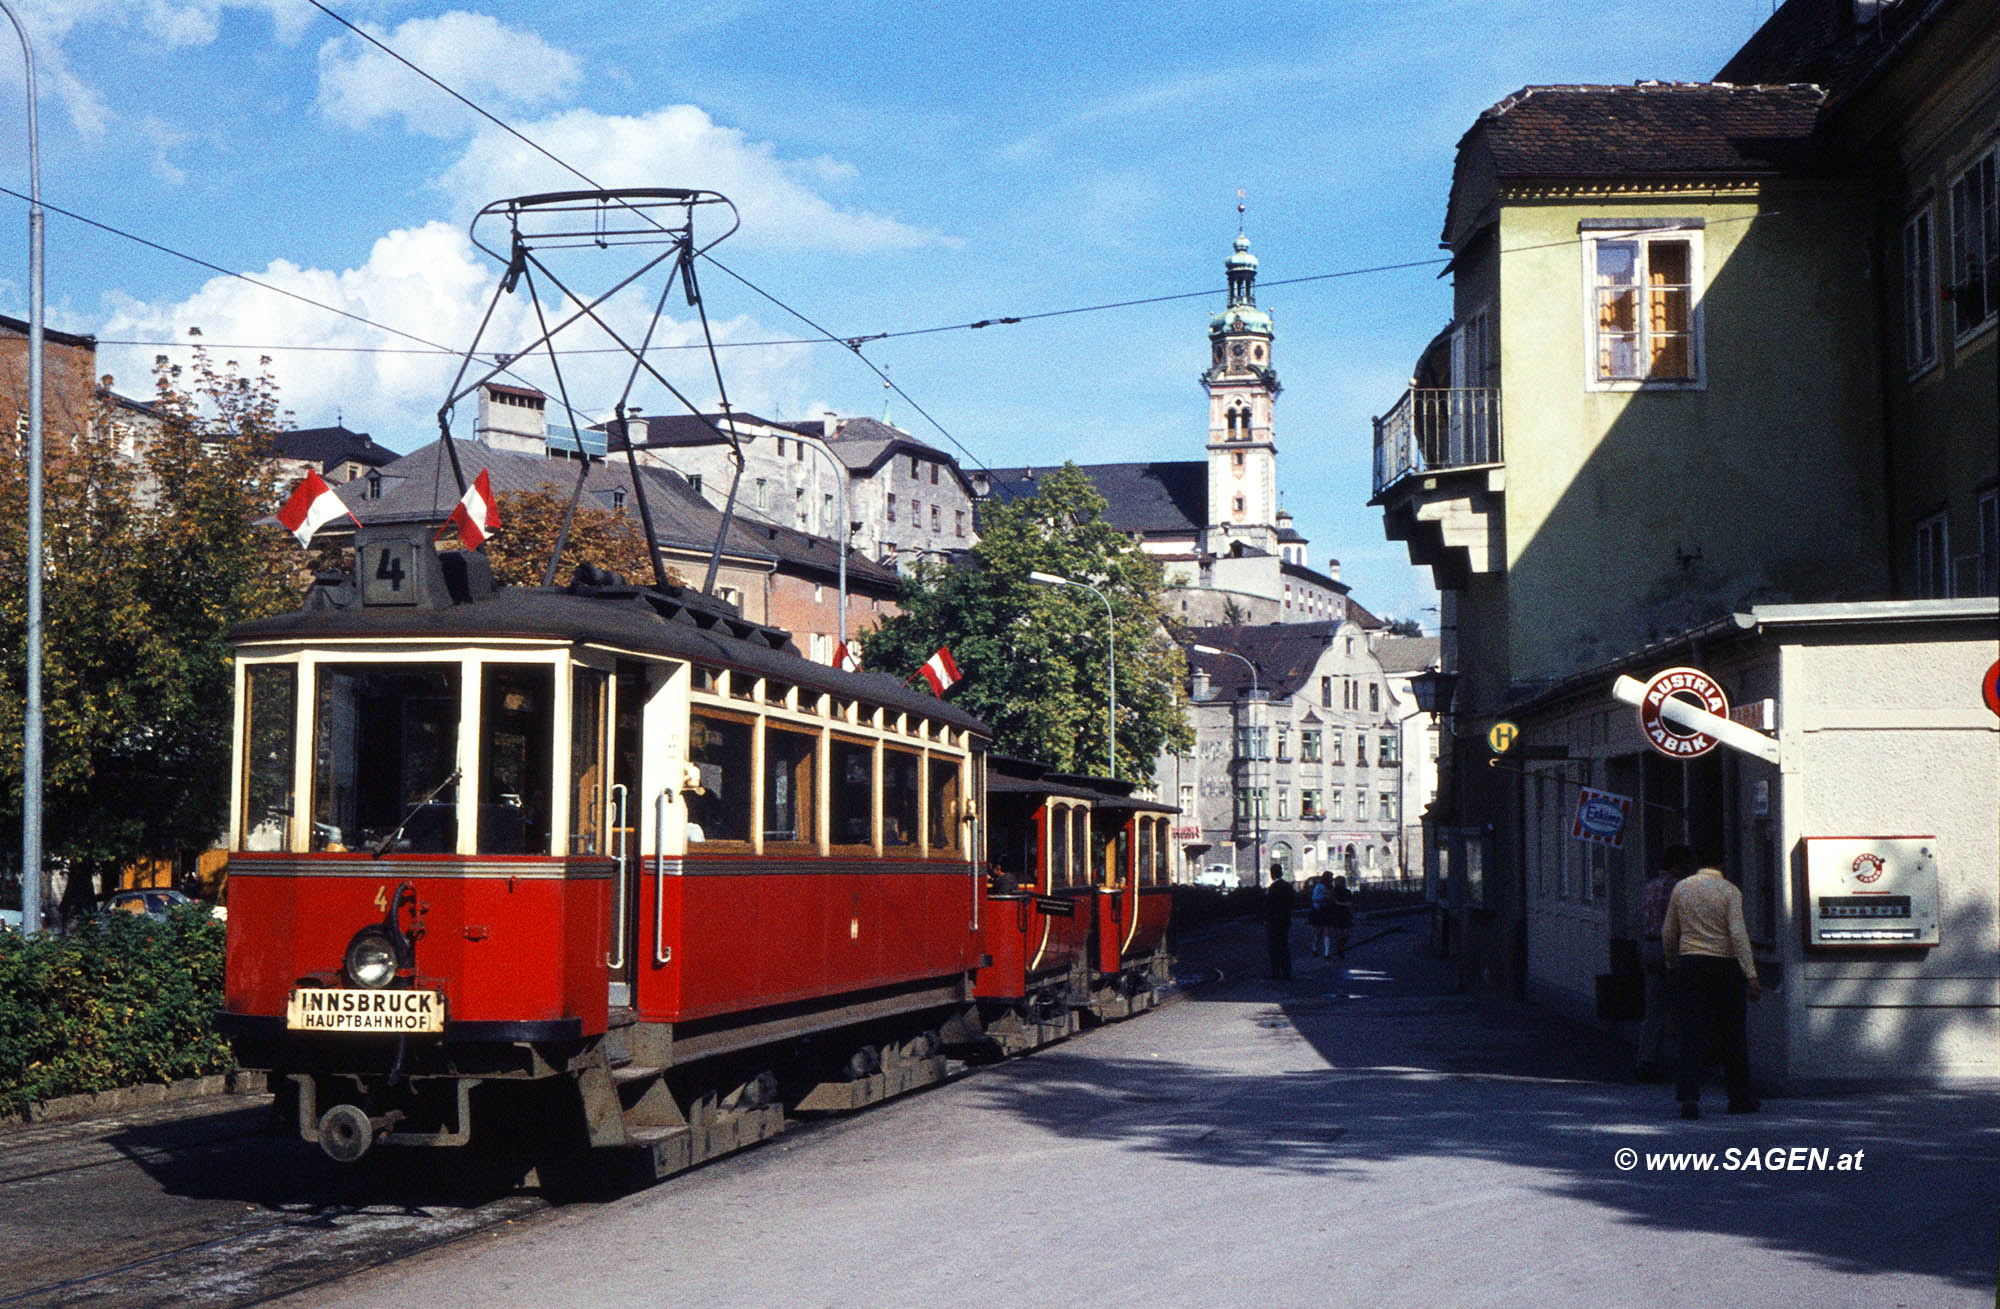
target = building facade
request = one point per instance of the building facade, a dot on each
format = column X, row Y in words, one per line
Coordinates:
column 1298, row 756
column 1781, row 500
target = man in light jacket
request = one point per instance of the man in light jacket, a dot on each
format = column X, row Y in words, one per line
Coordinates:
column 1707, row 949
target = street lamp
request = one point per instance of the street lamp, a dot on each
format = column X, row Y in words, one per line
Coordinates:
column 1434, row 689
column 1111, row 676
column 840, row 529
column 31, row 745
column 1256, row 814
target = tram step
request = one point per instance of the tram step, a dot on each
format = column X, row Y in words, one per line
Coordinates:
column 627, row 1074
column 655, row 1135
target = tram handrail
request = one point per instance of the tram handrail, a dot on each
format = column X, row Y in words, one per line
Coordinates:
column 615, row 813
column 662, row 956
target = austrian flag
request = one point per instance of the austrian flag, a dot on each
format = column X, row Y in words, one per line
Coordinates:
column 941, row 671
column 847, row 657
column 477, row 514
column 311, row 506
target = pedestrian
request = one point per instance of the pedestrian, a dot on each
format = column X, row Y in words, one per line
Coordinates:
column 1343, row 917
column 1707, row 949
column 1320, row 915
column 1675, row 864
column 1278, row 901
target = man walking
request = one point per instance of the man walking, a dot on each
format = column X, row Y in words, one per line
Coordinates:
column 1675, row 864
column 1278, row 902
column 1707, row 948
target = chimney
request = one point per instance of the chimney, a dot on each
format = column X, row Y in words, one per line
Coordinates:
column 829, row 425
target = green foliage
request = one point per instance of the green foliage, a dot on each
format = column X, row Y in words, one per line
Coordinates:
column 1035, row 657
column 110, row 1004
column 152, row 551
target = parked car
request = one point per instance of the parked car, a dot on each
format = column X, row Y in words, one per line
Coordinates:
column 152, row 903
column 1222, row 875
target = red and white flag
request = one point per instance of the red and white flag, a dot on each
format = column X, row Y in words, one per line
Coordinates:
column 941, row 671
column 847, row 657
column 311, row 506
column 477, row 515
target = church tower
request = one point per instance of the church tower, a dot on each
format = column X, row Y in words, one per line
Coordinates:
column 1242, row 394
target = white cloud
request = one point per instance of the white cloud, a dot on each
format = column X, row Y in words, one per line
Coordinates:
column 500, row 67
column 178, row 23
column 429, row 281
column 679, row 146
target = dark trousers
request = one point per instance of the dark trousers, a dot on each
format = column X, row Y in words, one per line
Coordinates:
column 1710, row 994
column 1278, row 936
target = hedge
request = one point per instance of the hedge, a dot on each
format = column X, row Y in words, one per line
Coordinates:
column 110, row 1004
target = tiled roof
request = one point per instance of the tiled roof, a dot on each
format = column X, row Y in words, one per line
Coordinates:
column 1652, row 129
column 1157, row 499
column 1825, row 42
column 330, row 446
column 419, row 487
column 1407, row 654
column 1285, row 655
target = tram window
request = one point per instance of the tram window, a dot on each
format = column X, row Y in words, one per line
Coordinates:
column 843, row 709
column 945, row 809
column 776, row 692
column 742, row 686
column 384, row 750
column 788, row 786
column 719, row 748
column 1145, row 876
column 516, row 754
column 707, row 679
column 1080, row 847
column 1160, row 852
column 899, row 798
column 1121, row 868
column 1058, row 849
column 588, row 789
column 269, row 747
column 852, row 795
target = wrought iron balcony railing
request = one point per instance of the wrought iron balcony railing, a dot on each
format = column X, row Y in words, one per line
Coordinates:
column 1435, row 428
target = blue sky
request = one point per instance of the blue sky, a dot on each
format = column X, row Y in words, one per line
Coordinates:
column 898, row 167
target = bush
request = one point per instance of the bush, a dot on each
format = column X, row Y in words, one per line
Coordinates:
column 110, row 1004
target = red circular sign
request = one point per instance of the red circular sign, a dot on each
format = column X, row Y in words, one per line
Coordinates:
column 1693, row 686
column 1990, row 687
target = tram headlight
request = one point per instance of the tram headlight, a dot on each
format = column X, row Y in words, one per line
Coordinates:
column 371, row 959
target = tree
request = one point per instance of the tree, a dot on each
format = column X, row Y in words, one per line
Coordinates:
column 529, row 521
column 1035, row 657
column 1405, row 627
column 152, row 551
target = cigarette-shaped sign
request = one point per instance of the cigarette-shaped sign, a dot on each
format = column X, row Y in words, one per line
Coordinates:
column 1600, row 817
column 1682, row 713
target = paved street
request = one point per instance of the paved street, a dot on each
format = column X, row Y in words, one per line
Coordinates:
column 1272, row 1144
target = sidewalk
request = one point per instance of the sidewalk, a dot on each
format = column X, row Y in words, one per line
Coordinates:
column 1880, row 1198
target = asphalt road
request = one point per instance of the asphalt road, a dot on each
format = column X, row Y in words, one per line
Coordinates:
column 1253, row 1143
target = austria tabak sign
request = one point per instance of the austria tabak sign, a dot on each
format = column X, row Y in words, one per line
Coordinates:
column 1670, row 738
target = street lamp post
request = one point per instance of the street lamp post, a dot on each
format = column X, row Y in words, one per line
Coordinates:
column 31, row 745
column 1256, row 814
column 1111, row 677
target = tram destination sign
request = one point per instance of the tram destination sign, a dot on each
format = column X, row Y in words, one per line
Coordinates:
column 337, row 1009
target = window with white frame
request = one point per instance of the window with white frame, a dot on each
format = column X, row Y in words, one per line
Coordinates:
column 1644, row 326
column 1333, row 806
column 1989, row 543
column 1284, row 804
column 1973, row 277
column 1919, row 293
column 1933, row 559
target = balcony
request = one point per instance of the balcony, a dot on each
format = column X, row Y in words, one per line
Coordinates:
column 1435, row 429
column 1440, row 477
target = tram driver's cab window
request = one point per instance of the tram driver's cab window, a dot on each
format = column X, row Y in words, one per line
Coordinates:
column 385, row 755
column 516, row 757
column 1058, row 847
column 269, row 746
column 719, row 749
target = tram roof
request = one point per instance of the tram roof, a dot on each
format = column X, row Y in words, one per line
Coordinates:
column 645, row 621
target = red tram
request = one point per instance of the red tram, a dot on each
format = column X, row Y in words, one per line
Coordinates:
column 608, row 866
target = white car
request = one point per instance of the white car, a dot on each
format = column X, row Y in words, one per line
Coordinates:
column 1222, row 875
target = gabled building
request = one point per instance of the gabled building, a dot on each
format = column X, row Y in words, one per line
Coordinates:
column 1297, row 759
column 335, row 453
